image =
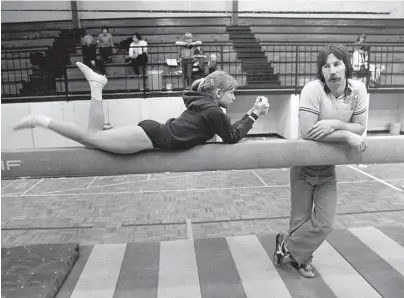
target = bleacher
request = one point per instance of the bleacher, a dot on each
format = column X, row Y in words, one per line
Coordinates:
column 274, row 35
column 382, row 34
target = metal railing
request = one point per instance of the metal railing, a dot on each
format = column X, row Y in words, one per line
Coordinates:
column 272, row 66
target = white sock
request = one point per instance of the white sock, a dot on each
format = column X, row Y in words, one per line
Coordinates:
column 96, row 91
column 42, row 121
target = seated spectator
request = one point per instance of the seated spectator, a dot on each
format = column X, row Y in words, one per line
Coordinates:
column 105, row 44
column 212, row 63
column 138, row 53
column 90, row 55
column 360, row 63
column 186, row 55
column 198, row 64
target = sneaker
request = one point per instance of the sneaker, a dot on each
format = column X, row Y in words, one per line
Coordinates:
column 281, row 252
column 306, row 270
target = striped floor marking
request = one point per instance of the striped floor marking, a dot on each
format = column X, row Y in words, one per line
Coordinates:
column 68, row 286
column 100, row 274
column 340, row 276
column 297, row 285
column 388, row 249
column 394, row 232
column 139, row 275
column 359, row 262
column 218, row 274
column 258, row 276
column 178, row 275
column 377, row 272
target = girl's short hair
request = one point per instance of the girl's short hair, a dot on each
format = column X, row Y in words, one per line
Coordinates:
column 216, row 80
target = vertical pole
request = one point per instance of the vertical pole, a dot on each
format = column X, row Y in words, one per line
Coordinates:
column 75, row 14
column 234, row 19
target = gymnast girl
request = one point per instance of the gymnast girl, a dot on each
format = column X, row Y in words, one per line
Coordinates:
column 202, row 119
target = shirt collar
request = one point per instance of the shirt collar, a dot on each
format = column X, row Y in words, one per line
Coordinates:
column 348, row 89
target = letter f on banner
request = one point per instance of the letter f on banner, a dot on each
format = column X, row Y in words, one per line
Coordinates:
column 9, row 164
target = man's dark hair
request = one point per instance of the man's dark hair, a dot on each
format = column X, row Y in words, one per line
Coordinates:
column 339, row 51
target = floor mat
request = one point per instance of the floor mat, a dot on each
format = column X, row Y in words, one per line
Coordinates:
column 36, row 271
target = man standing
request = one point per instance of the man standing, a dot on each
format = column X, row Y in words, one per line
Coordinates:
column 332, row 109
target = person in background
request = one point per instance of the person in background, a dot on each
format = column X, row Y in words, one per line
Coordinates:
column 187, row 51
column 198, row 64
column 138, row 53
column 212, row 63
column 105, row 45
column 361, row 65
column 89, row 51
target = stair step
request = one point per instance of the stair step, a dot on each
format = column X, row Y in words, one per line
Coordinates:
column 254, row 60
column 262, row 84
column 242, row 43
column 237, row 36
column 244, row 46
column 254, row 75
column 238, row 32
column 263, row 77
column 247, row 55
column 238, row 28
column 248, row 50
column 266, row 68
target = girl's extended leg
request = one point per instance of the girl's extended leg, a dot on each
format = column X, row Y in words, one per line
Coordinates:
column 122, row 140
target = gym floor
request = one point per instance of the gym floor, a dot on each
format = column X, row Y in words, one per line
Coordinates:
column 171, row 206
column 222, row 226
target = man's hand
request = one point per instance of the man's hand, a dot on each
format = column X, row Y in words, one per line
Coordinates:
column 321, row 129
column 92, row 62
column 356, row 141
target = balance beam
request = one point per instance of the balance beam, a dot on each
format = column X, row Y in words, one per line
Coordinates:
column 70, row 162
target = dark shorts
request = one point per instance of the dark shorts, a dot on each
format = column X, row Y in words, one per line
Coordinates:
column 153, row 131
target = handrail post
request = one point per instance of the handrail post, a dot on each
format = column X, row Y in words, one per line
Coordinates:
column 66, row 82
column 296, row 67
column 221, row 56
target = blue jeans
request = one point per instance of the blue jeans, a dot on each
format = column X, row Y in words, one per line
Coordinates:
column 313, row 209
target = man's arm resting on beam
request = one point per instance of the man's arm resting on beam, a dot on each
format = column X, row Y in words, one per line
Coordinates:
column 308, row 119
column 357, row 123
column 320, row 129
column 356, row 128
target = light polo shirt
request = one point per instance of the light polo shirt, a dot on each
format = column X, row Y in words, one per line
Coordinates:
column 315, row 100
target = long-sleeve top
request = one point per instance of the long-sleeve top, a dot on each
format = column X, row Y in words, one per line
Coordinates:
column 89, row 52
column 105, row 40
column 202, row 119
